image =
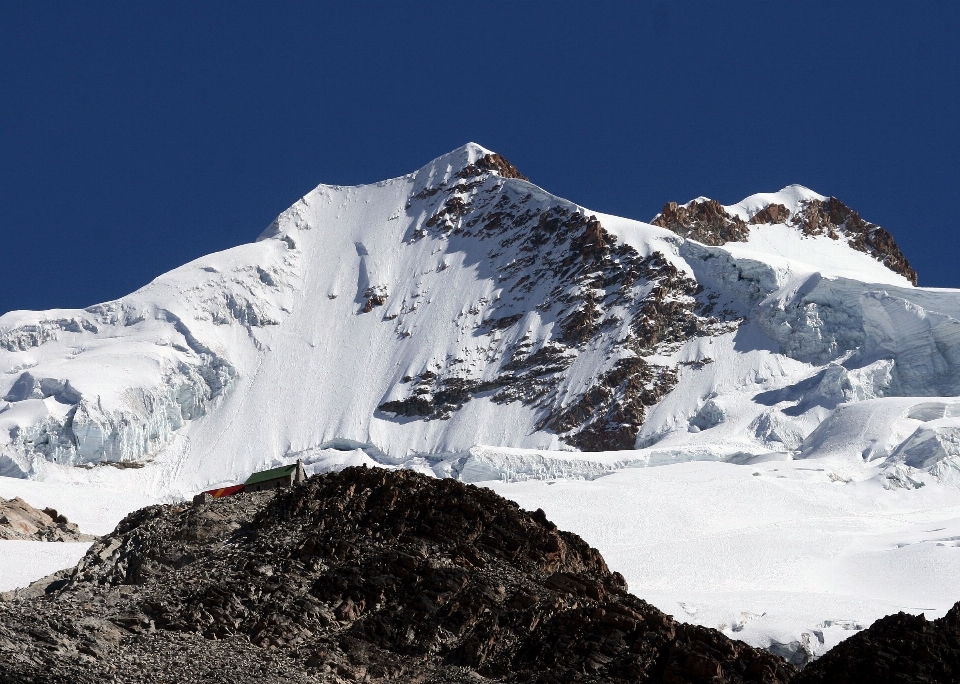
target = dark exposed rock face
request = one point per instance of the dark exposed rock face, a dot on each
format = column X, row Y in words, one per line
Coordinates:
column 374, row 297
column 492, row 162
column 615, row 404
column 704, row 221
column 555, row 264
column 20, row 520
column 901, row 648
column 835, row 219
column 364, row 575
column 552, row 264
column 708, row 222
column 772, row 213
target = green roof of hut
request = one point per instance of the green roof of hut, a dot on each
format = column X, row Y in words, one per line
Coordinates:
column 271, row 474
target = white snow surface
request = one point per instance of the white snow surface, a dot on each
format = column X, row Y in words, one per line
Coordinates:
column 810, row 457
column 789, row 249
column 792, row 555
column 22, row 562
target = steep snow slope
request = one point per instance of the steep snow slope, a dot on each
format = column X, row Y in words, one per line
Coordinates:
column 464, row 322
column 463, row 305
column 116, row 381
column 467, row 305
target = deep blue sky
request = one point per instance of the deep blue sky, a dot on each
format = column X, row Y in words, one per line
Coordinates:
column 137, row 136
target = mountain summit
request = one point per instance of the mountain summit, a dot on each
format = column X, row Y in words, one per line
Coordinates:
column 464, row 323
column 711, row 223
column 462, row 305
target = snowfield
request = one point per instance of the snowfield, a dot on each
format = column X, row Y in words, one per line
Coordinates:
column 793, row 555
column 22, row 562
column 792, row 401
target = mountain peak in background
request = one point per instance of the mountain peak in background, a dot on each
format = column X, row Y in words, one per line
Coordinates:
column 454, row 306
column 463, row 322
column 708, row 221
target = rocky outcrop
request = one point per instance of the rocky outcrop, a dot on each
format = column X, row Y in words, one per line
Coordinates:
column 614, row 405
column 554, row 262
column 708, row 222
column 772, row 213
column 705, row 221
column 363, row 575
column 901, row 648
column 492, row 162
column 374, row 297
column 835, row 219
column 20, row 520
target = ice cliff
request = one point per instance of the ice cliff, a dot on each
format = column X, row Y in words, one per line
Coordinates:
column 462, row 305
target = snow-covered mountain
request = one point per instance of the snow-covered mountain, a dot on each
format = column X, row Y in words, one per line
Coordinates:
column 464, row 322
column 461, row 305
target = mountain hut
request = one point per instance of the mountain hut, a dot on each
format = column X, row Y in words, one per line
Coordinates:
column 284, row 476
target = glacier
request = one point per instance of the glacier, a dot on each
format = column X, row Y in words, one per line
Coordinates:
column 462, row 321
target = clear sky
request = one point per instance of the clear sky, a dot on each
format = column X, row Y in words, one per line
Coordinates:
column 135, row 137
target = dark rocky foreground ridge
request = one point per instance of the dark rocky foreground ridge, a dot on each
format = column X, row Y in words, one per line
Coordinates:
column 379, row 576
column 363, row 575
column 896, row 648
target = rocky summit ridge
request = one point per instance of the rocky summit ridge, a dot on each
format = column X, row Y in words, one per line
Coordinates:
column 462, row 305
column 389, row 576
column 709, row 222
column 463, row 322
